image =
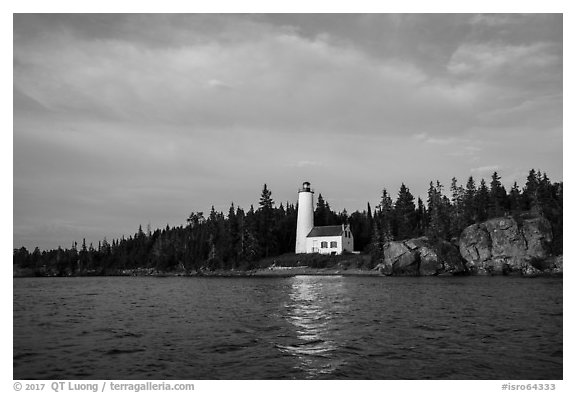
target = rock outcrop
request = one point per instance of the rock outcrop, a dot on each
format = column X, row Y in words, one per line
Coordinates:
column 505, row 245
column 418, row 257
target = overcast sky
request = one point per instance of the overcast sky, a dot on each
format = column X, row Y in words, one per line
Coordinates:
column 122, row 120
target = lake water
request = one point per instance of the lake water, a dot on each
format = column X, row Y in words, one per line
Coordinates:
column 304, row 327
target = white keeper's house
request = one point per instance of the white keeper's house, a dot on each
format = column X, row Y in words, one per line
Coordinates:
column 332, row 239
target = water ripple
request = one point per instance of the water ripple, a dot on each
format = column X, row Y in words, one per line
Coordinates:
column 288, row 328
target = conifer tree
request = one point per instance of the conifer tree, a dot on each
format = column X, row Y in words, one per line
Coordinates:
column 233, row 232
column 320, row 213
column 421, row 218
column 377, row 244
column 438, row 213
column 515, row 198
column 530, row 192
column 469, row 201
column 265, row 222
column 498, row 203
column 457, row 217
column 405, row 213
column 482, row 201
column 386, row 212
column 343, row 217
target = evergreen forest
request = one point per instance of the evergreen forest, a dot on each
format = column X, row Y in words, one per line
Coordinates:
column 239, row 238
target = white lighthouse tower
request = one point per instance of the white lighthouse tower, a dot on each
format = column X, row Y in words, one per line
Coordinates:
column 305, row 216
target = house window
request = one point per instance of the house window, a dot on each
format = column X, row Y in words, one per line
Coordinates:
column 323, row 244
column 333, row 244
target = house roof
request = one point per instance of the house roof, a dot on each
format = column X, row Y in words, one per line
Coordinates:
column 331, row 230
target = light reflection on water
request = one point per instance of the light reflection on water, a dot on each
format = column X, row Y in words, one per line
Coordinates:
column 287, row 328
column 316, row 302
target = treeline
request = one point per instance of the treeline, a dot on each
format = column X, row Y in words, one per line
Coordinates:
column 239, row 238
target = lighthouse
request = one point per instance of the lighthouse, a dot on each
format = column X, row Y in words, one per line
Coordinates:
column 305, row 216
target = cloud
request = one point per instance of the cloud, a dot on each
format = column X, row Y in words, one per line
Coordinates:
column 420, row 136
column 485, row 169
column 466, row 151
column 491, row 20
column 456, row 143
column 488, row 60
column 306, row 163
column 273, row 78
column 277, row 80
column 218, row 84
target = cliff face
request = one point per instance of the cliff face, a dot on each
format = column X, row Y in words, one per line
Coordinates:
column 418, row 257
column 503, row 245
column 497, row 246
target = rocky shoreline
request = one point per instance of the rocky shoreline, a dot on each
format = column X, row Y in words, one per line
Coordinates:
column 297, row 271
column 499, row 246
column 267, row 273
